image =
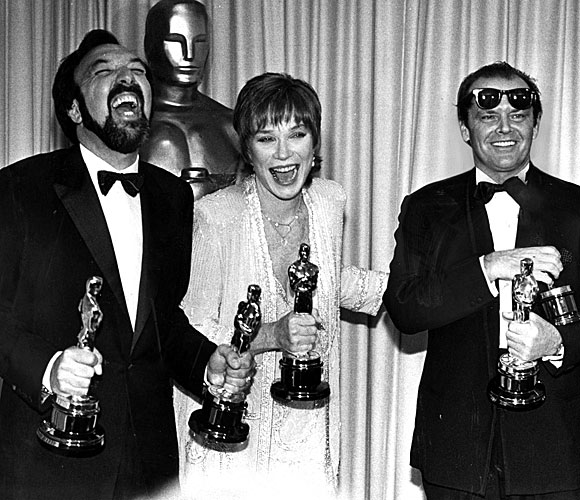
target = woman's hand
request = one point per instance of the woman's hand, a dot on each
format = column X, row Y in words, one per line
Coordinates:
column 297, row 332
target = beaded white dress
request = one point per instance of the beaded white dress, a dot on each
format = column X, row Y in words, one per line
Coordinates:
column 290, row 452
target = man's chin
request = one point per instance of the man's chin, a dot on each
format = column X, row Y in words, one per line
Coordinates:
column 134, row 142
column 128, row 139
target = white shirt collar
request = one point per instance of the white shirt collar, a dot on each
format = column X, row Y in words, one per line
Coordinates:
column 123, row 216
column 481, row 176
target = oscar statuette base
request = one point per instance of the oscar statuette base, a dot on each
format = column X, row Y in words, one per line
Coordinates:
column 73, row 430
column 516, row 385
column 220, row 422
column 300, row 380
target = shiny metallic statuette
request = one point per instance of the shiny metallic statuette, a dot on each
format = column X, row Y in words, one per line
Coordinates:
column 73, row 429
column 301, row 373
column 516, row 385
column 220, row 421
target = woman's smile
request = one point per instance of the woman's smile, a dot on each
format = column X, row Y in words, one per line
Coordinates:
column 285, row 175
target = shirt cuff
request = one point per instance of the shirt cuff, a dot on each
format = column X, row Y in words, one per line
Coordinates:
column 490, row 284
column 46, row 385
column 556, row 359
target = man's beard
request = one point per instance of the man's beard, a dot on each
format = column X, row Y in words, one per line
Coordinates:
column 126, row 138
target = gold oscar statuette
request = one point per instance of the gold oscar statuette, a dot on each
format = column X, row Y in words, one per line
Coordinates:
column 516, row 385
column 220, row 422
column 301, row 372
column 73, row 429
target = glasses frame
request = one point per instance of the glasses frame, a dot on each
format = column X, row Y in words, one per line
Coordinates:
column 512, row 97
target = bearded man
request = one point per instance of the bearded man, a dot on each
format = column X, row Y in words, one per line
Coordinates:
column 64, row 218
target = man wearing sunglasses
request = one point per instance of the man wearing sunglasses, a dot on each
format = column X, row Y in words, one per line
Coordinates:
column 459, row 244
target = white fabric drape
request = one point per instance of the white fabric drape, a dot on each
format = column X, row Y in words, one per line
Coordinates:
column 387, row 72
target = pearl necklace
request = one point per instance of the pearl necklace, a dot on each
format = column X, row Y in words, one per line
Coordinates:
column 284, row 228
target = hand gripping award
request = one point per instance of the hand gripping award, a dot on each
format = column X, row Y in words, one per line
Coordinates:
column 516, row 385
column 220, row 421
column 301, row 372
column 72, row 429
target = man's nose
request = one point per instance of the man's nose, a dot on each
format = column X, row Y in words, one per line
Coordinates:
column 125, row 75
column 504, row 125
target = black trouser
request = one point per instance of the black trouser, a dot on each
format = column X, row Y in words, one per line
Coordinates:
column 495, row 489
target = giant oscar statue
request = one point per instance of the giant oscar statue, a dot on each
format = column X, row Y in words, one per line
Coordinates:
column 220, row 421
column 191, row 134
column 301, row 373
column 72, row 429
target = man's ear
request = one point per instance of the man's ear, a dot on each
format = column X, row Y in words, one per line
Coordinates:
column 537, row 126
column 74, row 113
column 465, row 135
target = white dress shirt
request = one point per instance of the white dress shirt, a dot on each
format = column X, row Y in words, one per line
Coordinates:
column 503, row 214
column 123, row 216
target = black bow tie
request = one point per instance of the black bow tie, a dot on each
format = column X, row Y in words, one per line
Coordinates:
column 514, row 186
column 132, row 183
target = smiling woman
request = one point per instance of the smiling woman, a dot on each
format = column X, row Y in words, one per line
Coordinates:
column 251, row 233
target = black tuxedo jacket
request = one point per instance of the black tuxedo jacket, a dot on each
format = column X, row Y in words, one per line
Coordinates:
column 53, row 237
column 436, row 284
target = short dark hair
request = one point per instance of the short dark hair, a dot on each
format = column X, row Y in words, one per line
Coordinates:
column 498, row 69
column 275, row 98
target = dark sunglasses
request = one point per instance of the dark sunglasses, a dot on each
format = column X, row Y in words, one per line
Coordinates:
column 490, row 98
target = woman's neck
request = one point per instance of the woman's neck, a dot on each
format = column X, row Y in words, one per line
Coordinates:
column 278, row 209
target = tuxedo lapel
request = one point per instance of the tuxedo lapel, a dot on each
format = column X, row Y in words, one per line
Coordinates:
column 482, row 244
column 76, row 191
column 477, row 221
column 532, row 219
